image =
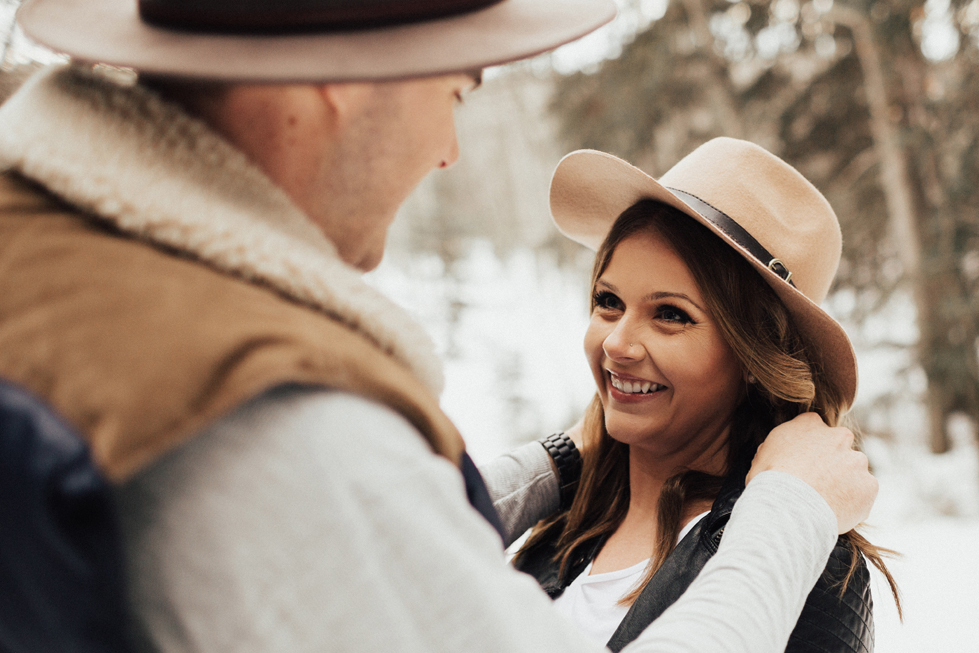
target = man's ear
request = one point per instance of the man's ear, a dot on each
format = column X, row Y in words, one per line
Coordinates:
column 346, row 99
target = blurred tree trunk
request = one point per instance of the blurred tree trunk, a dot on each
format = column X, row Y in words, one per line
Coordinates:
column 903, row 217
column 946, row 315
column 724, row 109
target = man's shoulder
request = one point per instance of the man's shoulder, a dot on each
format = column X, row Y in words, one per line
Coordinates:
column 322, row 449
column 314, row 418
column 311, row 439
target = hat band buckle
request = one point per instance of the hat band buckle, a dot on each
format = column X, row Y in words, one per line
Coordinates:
column 776, row 266
column 729, row 227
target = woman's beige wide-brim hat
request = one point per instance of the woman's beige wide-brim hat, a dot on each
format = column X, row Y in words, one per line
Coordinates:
column 754, row 201
column 308, row 40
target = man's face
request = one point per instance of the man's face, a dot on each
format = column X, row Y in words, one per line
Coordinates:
column 400, row 132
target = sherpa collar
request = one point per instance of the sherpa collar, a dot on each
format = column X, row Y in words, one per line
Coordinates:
column 123, row 154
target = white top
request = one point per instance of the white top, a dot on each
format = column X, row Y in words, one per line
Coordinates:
column 313, row 520
column 689, row 525
column 591, row 601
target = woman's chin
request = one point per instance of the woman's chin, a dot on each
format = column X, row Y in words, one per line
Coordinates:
column 628, row 430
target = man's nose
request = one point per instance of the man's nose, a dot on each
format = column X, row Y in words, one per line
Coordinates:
column 453, row 154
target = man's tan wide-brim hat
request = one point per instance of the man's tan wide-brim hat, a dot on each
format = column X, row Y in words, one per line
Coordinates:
column 754, row 201
column 316, row 41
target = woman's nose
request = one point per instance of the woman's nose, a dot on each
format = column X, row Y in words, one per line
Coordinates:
column 622, row 344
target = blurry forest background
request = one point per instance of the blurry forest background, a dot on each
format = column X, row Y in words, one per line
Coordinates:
column 877, row 103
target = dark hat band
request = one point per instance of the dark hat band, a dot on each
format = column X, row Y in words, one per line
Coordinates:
column 735, row 232
column 278, row 16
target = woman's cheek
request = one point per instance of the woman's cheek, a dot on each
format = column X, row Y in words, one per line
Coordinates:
column 594, row 353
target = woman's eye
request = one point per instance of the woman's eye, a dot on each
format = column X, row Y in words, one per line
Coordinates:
column 608, row 301
column 674, row 314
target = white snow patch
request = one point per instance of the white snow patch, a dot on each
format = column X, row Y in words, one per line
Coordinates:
column 938, row 573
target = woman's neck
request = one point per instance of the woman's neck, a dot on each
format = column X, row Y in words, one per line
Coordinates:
column 649, row 470
column 634, row 540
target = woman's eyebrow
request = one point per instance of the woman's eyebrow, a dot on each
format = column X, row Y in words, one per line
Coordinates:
column 656, row 296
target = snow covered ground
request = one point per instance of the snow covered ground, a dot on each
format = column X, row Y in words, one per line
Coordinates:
column 939, row 578
column 938, row 571
column 510, row 328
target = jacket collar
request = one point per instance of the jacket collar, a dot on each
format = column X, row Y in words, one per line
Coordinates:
column 720, row 512
column 119, row 152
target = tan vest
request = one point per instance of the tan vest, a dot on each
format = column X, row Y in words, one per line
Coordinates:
column 139, row 348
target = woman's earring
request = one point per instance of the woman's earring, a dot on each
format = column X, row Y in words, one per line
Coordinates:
column 751, row 379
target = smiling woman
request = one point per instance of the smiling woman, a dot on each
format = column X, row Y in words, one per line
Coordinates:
column 667, row 379
column 701, row 342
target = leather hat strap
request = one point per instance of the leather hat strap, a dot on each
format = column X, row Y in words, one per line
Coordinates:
column 735, row 232
column 277, row 16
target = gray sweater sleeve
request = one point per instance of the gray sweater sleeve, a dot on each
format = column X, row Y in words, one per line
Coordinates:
column 319, row 521
column 524, row 488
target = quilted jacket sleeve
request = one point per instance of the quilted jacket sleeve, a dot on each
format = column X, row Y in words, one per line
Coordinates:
column 831, row 623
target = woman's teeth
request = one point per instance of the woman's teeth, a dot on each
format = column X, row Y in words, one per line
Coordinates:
column 634, row 387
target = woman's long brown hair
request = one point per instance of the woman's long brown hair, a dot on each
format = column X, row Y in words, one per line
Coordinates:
column 758, row 328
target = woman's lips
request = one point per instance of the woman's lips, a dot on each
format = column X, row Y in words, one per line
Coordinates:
column 632, row 389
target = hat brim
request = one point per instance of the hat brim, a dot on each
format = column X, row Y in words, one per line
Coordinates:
column 111, row 32
column 590, row 189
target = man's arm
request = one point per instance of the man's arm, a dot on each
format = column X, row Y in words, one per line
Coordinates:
column 825, row 459
column 320, row 521
column 313, row 520
column 523, row 485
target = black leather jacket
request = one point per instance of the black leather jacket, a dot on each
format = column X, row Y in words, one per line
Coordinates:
column 828, row 624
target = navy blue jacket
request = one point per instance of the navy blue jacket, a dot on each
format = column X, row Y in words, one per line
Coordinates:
column 61, row 564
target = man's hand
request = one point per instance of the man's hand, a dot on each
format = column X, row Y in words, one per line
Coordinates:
column 824, row 458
